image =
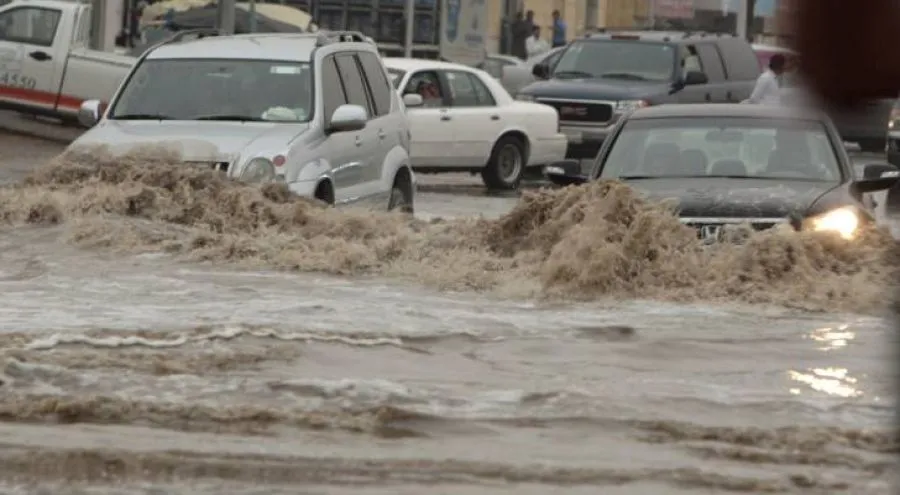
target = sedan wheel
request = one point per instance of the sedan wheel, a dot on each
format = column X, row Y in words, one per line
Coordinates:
column 506, row 165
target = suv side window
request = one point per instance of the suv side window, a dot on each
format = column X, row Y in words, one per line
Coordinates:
column 377, row 81
column 711, row 62
column 334, row 96
column 690, row 60
column 353, row 82
column 741, row 63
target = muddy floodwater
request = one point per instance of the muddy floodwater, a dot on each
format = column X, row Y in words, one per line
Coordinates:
column 166, row 332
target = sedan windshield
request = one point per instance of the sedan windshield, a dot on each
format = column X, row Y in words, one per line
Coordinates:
column 217, row 89
column 716, row 147
column 613, row 59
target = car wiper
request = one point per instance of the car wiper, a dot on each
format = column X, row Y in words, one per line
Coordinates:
column 572, row 73
column 141, row 116
column 623, row 75
column 236, row 118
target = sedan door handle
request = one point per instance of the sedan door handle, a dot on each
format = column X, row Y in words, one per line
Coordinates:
column 445, row 117
column 358, row 141
column 495, row 117
column 708, row 97
column 729, row 96
column 39, row 55
column 381, row 134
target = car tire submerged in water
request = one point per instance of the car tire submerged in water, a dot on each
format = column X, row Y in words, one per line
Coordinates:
column 400, row 201
column 507, row 164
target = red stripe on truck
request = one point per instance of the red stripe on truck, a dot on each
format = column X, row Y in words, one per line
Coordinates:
column 42, row 97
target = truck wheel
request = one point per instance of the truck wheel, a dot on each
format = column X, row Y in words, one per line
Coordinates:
column 506, row 165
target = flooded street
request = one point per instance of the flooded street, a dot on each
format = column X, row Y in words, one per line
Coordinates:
column 143, row 357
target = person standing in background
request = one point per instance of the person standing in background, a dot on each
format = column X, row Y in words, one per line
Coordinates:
column 534, row 45
column 768, row 87
column 559, row 30
column 521, row 30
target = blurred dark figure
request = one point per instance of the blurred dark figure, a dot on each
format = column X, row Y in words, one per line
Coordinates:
column 559, row 30
column 521, row 30
column 842, row 48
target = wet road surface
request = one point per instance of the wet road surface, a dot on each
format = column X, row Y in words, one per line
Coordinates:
column 127, row 373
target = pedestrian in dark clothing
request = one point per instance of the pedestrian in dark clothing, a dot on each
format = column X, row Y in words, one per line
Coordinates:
column 559, row 30
column 521, row 30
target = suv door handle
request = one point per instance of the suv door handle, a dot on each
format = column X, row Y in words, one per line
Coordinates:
column 495, row 117
column 445, row 117
column 708, row 97
column 39, row 55
column 729, row 96
column 358, row 141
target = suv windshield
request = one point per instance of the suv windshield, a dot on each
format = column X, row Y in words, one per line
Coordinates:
column 613, row 59
column 217, row 89
column 717, row 147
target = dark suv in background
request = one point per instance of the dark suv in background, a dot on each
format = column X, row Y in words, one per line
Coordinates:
column 602, row 76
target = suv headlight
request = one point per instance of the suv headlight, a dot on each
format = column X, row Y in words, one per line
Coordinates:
column 844, row 221
column 258, row 170
column 524, row 97
column 625, row 106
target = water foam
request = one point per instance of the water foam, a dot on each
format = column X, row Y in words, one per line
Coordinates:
column 600, row 240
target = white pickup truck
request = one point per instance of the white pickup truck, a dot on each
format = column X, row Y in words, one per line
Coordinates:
column 46, row 67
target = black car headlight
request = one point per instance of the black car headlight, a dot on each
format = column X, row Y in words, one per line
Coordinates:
column 845, row 221
column 259, row 170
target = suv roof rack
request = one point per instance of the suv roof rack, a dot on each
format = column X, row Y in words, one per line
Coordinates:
column 324, row 37
column 674, row 33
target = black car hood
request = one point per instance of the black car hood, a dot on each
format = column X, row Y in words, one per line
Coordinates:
column 735, row 198
column 596, row 89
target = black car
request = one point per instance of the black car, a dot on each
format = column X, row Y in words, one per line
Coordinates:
column 602, row 76
column 738, row 164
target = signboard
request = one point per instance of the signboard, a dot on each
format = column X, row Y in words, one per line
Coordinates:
column 673, row 9
column 463, row 31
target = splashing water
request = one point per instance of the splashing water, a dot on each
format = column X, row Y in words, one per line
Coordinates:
column 599, row 240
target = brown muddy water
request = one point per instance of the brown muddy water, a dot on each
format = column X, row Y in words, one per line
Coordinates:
column 165, row 331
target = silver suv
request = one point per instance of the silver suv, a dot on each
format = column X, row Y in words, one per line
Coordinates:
column 315, row 111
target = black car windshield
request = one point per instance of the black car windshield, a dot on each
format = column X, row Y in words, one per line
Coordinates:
column 618, row 59
column 218, row 89
column 722, row 147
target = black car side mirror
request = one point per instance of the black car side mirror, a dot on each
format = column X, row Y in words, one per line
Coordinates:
column 540, row 71
column 565, row 173
column 877, row 177
column 692, row 77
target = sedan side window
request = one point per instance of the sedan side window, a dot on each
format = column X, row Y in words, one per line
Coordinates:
column 467, row 90
column 428, row 86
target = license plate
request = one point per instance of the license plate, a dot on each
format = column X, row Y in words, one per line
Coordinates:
column 573, row 136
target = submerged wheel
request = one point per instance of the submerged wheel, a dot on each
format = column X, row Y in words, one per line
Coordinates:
column 507, row 164
column 400, row 201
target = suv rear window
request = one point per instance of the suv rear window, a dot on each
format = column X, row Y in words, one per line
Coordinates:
column 614, row 59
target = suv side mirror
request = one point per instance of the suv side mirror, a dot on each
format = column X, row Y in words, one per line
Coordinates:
column 347, row 118
column 540, row 71
column 877, row 177
column 90, row 112
column 695, row 77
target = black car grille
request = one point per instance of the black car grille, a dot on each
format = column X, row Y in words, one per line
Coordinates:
column 730, row 232
column 581, row 112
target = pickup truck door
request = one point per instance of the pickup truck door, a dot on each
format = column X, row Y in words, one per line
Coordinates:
column 32, row 46
column 718, row 88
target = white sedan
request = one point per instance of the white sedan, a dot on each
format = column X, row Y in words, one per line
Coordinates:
column 468, row 122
